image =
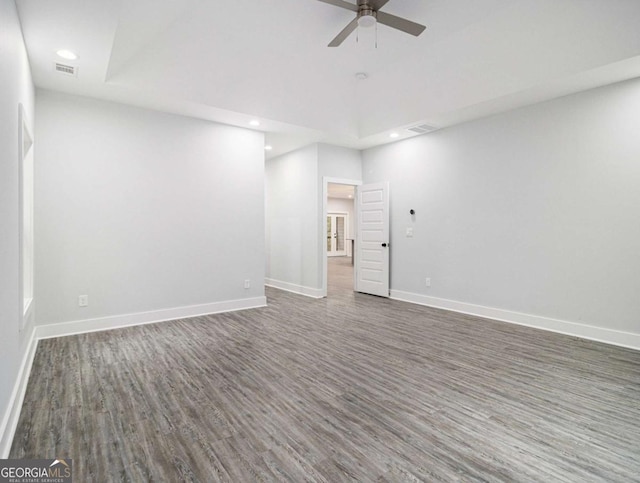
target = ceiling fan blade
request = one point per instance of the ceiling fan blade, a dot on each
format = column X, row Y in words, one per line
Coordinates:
column 377, row 4
column 342, row 4
column 400, row 23
column 344, row 34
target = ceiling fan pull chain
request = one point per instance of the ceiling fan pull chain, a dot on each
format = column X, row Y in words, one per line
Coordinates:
column 376, row 35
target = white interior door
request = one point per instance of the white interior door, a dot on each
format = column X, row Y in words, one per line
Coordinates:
column 372, row 239
column 336, row 235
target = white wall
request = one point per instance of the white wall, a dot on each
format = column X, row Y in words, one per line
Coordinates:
column 16, row 87
column 132, row 209
column 292, row 234
column 339, row 162
column 533, row 211
column 295, row 222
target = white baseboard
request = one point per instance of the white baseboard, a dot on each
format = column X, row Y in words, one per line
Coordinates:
column 12, row 414
column 140, row 318
column 316, row 293
column 629, row 340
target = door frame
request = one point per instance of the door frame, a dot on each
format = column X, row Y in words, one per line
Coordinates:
column 322, row 222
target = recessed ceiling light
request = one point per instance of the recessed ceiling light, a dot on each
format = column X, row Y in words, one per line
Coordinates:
column 350, row 196
column 254, row 122
column 361, row 76
column 394, row 135
column 268, row 148
column 67, row 54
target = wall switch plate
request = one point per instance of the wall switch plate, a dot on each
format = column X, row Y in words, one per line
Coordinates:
column 409, row 232
column 83, row 301
column 247, row 284
column 428, row 282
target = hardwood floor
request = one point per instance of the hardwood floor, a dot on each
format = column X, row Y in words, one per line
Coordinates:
column 339, row 277
column 351, row 387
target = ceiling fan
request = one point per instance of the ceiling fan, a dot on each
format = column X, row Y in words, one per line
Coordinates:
column 367, row 14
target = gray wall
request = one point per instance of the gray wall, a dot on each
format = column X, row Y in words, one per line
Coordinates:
column 536, row 210
column 132, row 209
column 16, row 87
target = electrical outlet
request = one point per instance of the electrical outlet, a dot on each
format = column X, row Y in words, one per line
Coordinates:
column 428, row 282
column 409, row 232
column 83, row 301
column 247, row 284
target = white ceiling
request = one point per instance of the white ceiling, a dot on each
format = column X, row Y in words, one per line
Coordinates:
column 234, row 60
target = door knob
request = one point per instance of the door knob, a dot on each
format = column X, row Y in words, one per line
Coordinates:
column 384, row 245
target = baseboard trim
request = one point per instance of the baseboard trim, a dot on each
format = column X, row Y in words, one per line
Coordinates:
column 141, row 318
column 12, row 414
column 316, row 293
column 619, row 338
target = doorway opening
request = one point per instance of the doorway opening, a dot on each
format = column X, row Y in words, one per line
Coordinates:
column 340, row 238
column 337, row 230
column 340, row 235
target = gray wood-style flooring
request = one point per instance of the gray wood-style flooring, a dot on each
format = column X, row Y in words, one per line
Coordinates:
column 352, row 387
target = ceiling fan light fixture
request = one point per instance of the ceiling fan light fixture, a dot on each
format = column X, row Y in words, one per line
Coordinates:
column 366, row 19
column 368, row 15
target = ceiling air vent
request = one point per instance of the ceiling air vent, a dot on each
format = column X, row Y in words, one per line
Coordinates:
column 66, row 69
column 422, row 128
